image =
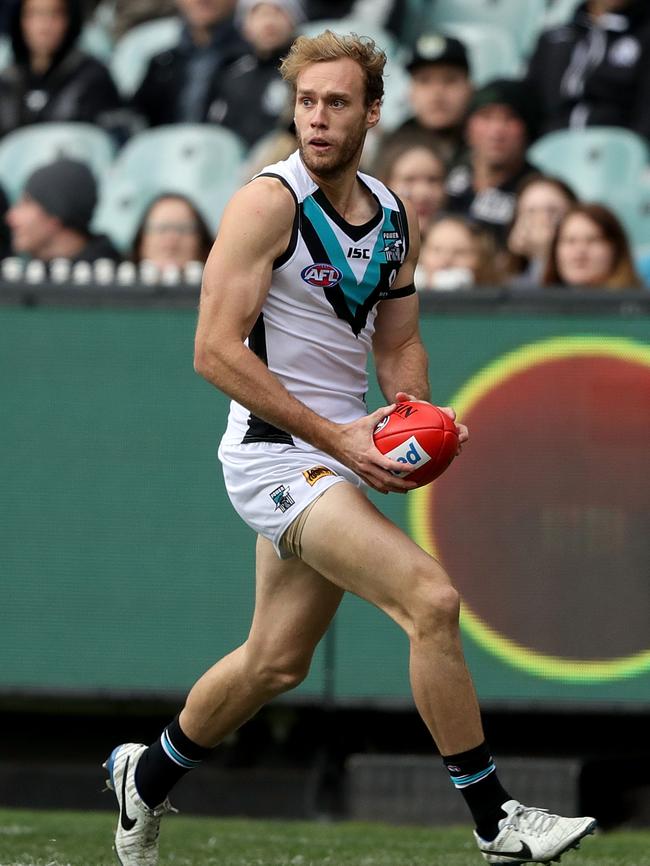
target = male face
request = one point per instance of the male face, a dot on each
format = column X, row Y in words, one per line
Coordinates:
column 205, row 13
column 497, row 136
column 331, row 115
column 44, row 24
column 267, row 28
column 32, row 227
column 439, row 94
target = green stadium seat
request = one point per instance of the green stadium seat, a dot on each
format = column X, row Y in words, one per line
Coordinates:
column 602, row 164
column 395, row 107
column 637, row 216
column 96, row 40
column 519, row 18
column 28, row 148
column 492, row 52
column 559, row 12
column 598, row 161
column 132, row 53
column 203, row 162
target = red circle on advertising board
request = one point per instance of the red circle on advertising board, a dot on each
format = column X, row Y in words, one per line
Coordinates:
column 544, row 522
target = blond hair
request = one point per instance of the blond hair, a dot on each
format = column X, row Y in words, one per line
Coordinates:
column 334, row 46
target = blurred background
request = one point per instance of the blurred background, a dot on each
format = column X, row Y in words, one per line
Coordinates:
column 520, row 132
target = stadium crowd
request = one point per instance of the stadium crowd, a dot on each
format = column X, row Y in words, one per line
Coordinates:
column 514, row 168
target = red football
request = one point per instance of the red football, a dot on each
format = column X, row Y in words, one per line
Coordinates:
column 419, row 435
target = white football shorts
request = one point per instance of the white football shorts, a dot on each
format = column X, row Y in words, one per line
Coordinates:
column 270, row 484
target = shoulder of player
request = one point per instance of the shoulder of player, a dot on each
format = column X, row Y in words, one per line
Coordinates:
column 263, row 209
column 266, row 196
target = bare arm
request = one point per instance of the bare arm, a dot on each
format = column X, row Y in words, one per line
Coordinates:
column 254, row 231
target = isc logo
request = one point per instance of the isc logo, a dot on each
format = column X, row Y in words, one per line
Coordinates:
column 411, row 453
column 357, row 253
column 321, row 276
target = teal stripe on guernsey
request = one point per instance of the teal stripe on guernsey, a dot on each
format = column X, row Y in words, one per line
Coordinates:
column 465, row 781
column 175, row 755
column 355, row 293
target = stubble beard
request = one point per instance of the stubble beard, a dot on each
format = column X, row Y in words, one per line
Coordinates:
column 333, row 165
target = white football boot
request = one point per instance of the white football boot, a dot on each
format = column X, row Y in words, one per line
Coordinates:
column 136, row 839
column 531, row 835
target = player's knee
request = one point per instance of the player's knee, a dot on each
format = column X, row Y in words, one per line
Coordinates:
column 434, row 608
column 281, row 675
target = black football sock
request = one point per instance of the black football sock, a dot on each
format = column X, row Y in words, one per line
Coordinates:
column 165, row 762
column 474, row 775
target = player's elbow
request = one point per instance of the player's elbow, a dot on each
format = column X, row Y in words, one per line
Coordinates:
column 206, row 360
column 200, row 359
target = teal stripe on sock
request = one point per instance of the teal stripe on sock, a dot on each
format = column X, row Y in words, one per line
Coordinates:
column 465, row 781
column 175, row 755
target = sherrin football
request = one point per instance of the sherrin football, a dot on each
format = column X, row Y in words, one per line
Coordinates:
column 420, row 436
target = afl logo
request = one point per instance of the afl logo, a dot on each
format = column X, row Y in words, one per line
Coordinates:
column 321, row 276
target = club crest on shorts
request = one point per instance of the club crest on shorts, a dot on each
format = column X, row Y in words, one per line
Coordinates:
column 316, row 473
column 321, row 276
column 282, row 498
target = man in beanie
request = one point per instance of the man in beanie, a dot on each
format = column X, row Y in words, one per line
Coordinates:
column 439, row 94
column 500, row 125
column 250, row 97
column 51, row 219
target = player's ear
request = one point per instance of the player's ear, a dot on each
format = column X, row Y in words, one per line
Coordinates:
column 374, row 113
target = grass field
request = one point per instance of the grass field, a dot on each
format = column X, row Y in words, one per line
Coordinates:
column 84, row 839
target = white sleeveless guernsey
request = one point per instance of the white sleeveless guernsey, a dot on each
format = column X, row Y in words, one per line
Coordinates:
column 315, row 329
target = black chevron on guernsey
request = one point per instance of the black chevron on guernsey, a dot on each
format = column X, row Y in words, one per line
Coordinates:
column 335, row 294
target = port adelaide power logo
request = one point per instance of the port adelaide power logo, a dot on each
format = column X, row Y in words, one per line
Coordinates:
column 393, row 246
column 321, row 276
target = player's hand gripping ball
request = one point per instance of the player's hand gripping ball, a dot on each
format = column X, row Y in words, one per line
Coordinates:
column 420, row 436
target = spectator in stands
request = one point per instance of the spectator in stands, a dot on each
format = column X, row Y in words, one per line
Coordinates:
column 414, row 170
column 590, row 250
column 130, row 13
column 500, row 125
column 457, row 253
column 595, row 70
column 178, row 84
column 541, row 203
column 52, row 218
column 254, row 81
column 440, row 92
column 172, row 234
column 50, row 79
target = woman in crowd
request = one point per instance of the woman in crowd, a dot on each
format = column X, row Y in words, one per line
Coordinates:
column 541, row 203
column 414, row 170
column 172, row 234
column 457, row 254
column 50, row 79
column 590, row 250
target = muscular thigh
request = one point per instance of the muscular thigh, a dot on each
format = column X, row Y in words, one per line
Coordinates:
column 294, row 604
column 351, row 543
